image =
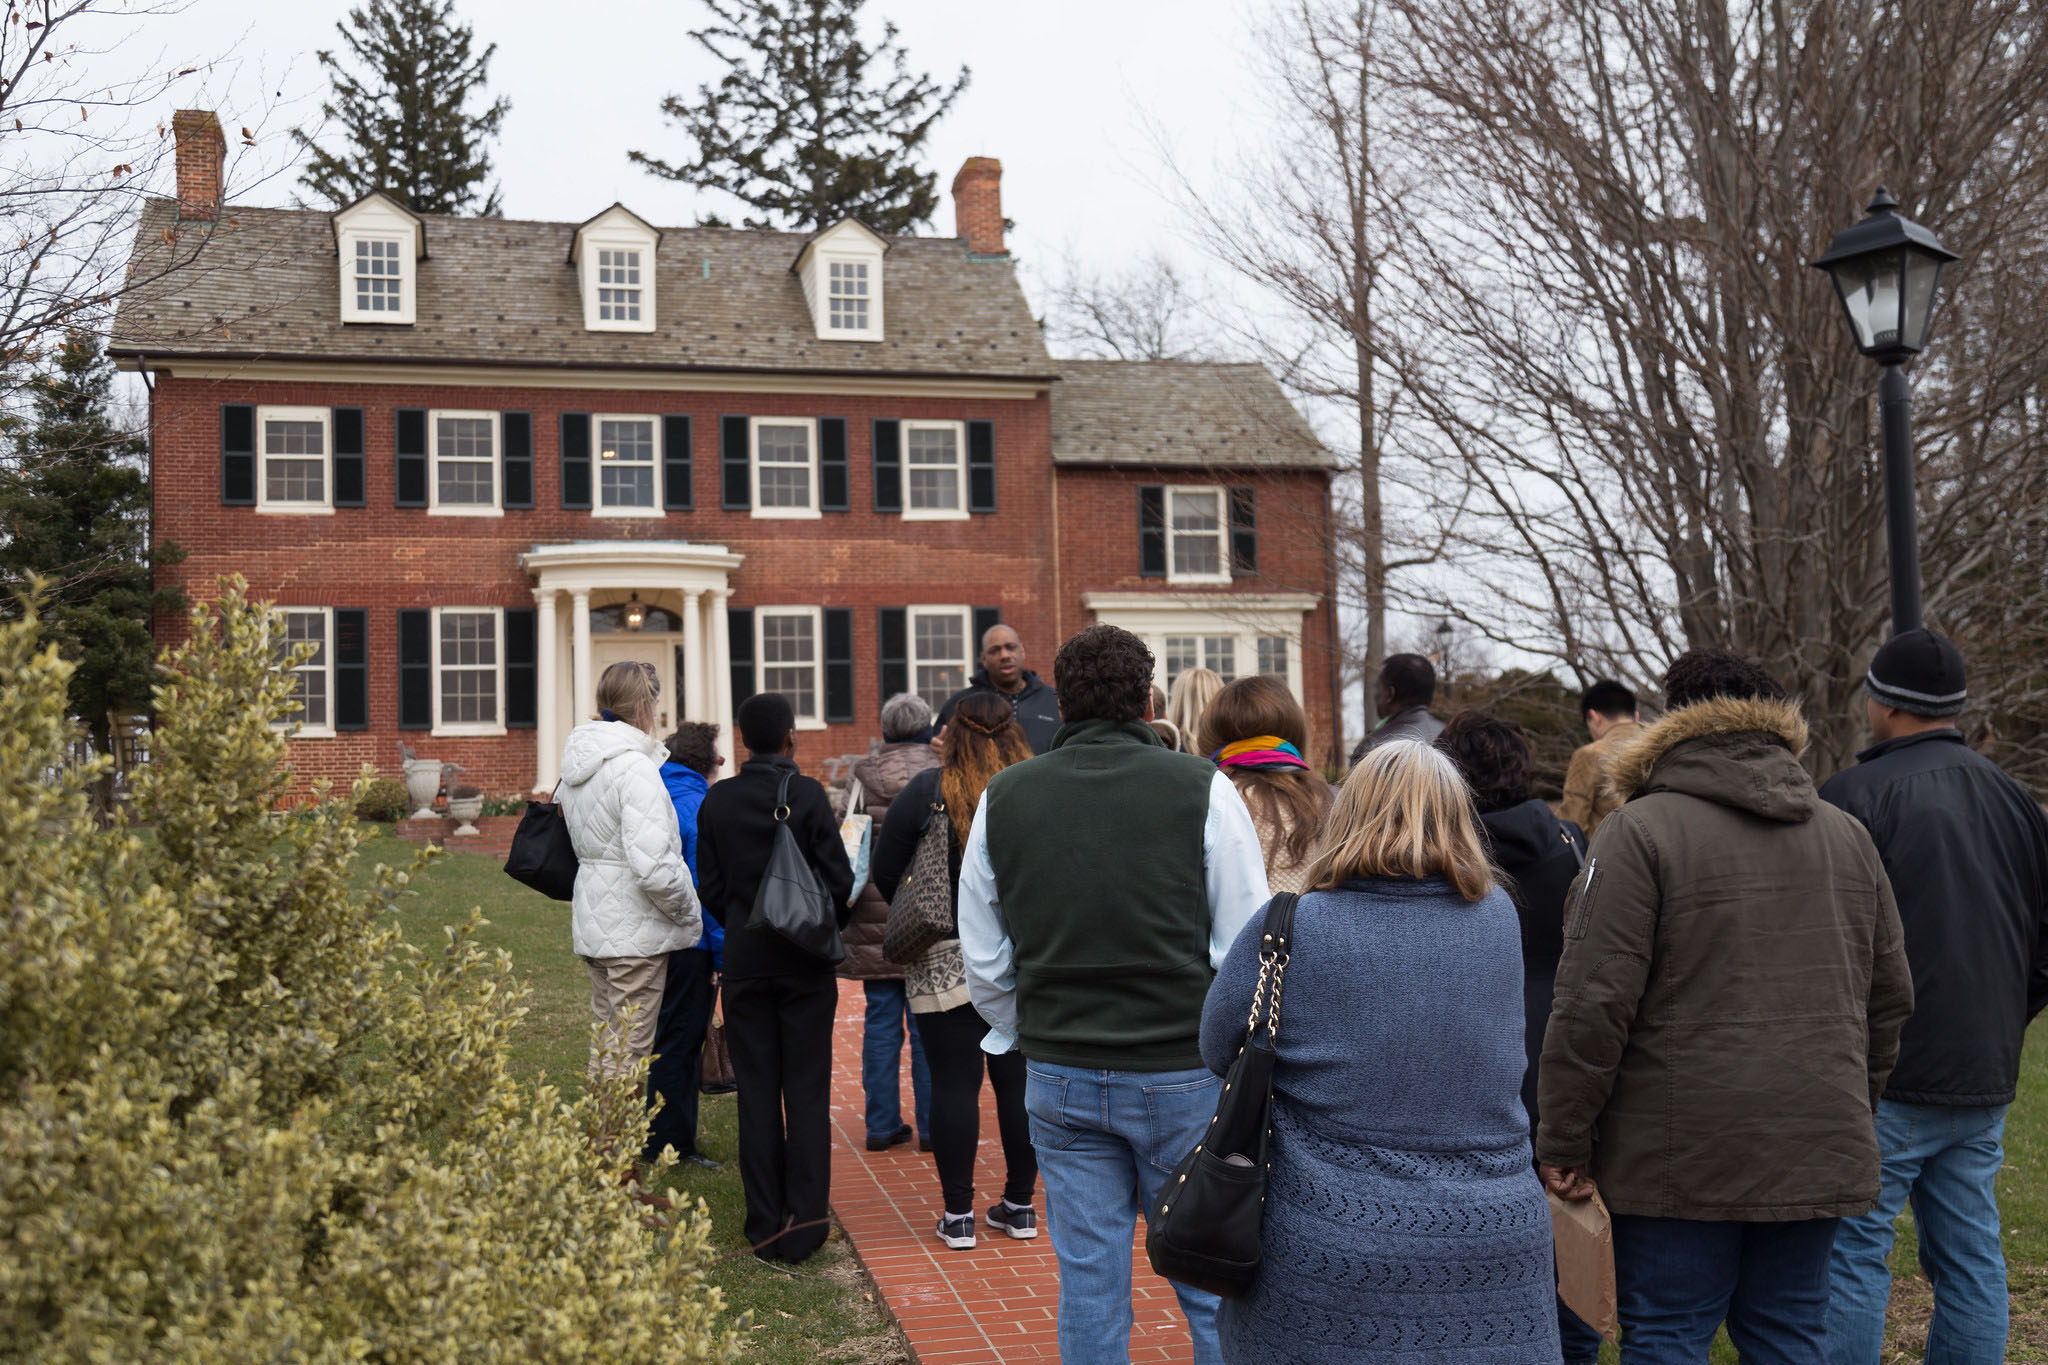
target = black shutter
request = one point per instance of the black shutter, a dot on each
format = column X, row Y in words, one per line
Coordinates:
column 411, row 445
column 981, row 466
column 735, row 465
column 739, row 623
column 350, row 473
column 522, row 693
column 576, row 460
column 415, row 669
column 351, row 668
column 892, row 637
column 834, row 485
column 515, row 429
column 1152, row 530
column 985, row 620
column 237, row 455
column 678, row 465
column 838, row 664
column 1244, row 530
column 888, row 436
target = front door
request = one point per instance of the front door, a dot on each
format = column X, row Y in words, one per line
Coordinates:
column 649, row 647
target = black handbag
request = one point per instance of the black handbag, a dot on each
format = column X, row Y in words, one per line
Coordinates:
column 922, row 912
column 790, row 902
column 1204, row 1231
column 542, row 855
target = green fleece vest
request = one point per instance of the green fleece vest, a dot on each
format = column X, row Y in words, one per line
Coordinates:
column 1097, row 851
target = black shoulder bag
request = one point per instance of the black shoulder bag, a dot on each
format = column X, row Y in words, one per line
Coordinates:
column 542, row 855
column 790, row 902
column 1204, row 1233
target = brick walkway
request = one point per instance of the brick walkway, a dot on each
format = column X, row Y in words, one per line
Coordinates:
column 995, row 1303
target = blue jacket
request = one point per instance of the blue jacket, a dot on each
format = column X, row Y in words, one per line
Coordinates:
column 686, row 787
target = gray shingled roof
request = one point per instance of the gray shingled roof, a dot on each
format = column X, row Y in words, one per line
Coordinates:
column 1177, row 412
column 498, row 292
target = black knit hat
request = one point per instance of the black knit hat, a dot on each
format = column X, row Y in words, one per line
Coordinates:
column 1920, row 673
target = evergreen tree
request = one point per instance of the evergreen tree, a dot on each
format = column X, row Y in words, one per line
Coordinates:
column 798, row 128
column 409, row 130
column 74, row 512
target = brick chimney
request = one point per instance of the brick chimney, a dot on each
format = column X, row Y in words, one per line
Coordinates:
column 202, row 153
column 978, row 205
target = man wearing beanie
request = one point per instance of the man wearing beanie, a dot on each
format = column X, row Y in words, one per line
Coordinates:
column 1966, row 848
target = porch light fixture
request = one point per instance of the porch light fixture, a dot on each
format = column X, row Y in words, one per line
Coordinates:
column 636, row 613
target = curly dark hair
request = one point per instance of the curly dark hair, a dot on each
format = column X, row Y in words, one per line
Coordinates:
column 695, row 746
column 1492, row 756
column 1703, row 674
column 1103, row 673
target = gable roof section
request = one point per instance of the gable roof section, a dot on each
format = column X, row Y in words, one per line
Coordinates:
column 497, row 292
column 1178, row 413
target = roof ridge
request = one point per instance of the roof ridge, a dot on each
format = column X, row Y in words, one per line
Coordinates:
column 153, row 201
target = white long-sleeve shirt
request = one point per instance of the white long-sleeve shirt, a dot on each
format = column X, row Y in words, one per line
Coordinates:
column 1233, row 871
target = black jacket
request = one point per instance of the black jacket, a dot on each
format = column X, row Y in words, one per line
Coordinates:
column 1036, row 707
column 1540, row 855
column 735, row 829
column 1966, row 848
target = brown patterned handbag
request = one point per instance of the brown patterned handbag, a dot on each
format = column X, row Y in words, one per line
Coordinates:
column 921, row 912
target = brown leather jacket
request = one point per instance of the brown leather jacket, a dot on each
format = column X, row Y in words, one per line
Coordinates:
column 881, row 777
column 1587, row 797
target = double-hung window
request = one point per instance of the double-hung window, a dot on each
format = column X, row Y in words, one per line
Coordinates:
column 628, row 467
column 1195, row 530
column 785, row 467
column 941, row 651
column 293, row 447
column 935, row 471
column 788, row 646
column 1217, row 653
column 469, row 671
column 1273, row 655
column 465, row 476
column 618, row 284
column 313, row 677
column 847, row 295
column 379, row 275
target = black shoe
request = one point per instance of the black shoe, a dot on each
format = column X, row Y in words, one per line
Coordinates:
column 895, row 1139
column 924, row 1145
column 701, row 1161
column 1019, row 1223
column 957, row 1233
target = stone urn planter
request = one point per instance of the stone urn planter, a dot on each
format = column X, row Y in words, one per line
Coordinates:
column 465, row 804
column 422, row 785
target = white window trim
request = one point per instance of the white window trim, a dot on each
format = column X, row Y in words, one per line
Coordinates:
column 497, row 462
column 441, row 730
column 1222, row 526
column 1152, row 616
column 408, row 276
column 325, row 507
column 817, row 619
column 616, row 239
column 754, row 425
column 597, row 507
column 966, row 617
column 298, row 729
column 959, row 430
column 873, row 261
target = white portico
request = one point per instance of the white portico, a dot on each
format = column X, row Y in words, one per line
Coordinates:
column 658, row 601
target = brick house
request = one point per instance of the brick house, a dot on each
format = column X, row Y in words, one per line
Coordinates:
column 477, row 460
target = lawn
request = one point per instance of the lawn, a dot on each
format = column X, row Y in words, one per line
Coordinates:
column 823, row 1315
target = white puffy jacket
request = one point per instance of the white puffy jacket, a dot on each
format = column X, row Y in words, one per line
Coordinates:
column 634, row 897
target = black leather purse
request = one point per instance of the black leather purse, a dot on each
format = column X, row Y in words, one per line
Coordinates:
column 790, row 901
column 542, row 855
column 1204, row 1232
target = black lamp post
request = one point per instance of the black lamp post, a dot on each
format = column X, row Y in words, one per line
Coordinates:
column 1443, row 651
column 1886, row 269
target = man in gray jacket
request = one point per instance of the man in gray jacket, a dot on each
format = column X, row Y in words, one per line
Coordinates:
column 1406, row 686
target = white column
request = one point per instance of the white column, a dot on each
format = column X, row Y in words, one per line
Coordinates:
column 693, row 655
column 584, row 696
column 548, row 734
column 721, row 675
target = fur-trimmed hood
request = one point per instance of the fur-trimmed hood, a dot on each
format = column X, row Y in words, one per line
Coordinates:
column 1734, row 752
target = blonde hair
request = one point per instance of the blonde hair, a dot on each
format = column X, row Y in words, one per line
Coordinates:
column 1192, row 692
column 1403, row 812
column 632, row 691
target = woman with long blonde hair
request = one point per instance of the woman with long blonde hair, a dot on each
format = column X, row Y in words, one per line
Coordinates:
column 1403, row 1213
column 982, row 738
column 1192, row 691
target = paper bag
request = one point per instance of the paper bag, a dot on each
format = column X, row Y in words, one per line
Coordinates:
column 1585, row 1261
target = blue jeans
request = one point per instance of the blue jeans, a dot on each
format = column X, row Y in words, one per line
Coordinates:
column 1106, row 1142
column 881, row 1060
column 1945, row 1160
column 1679, row 1278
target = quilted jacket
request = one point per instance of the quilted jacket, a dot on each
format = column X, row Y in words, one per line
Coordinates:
column 634, row 895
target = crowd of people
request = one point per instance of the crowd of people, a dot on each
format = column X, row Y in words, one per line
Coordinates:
column 1758, row 1018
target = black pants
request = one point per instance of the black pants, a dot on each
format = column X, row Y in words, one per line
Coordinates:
column 686, row 1002
column 779, row 1029
column 952, row 1049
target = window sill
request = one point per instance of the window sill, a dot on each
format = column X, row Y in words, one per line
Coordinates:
column 375, row 321
column 809, row 723
column 467, row 732
column 465, row 511
column 625, row 512
column 842, row 334
column 1206, row 579
column 286, row 509
column 594, row 325
column 308, row 732
column 937, row 514
column 787, row 514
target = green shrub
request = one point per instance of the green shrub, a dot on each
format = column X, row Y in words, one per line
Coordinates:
column 380, row 798
column 241, row 1120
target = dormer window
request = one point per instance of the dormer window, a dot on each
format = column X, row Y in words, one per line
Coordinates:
column 841, row 271
column 378, row 243
column 614, row 258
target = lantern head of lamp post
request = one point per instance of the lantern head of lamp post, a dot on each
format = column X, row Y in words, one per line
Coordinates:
column 636, row 613
column 1886, row 269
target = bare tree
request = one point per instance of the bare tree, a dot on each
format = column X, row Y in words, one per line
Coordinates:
column 1146, row 312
